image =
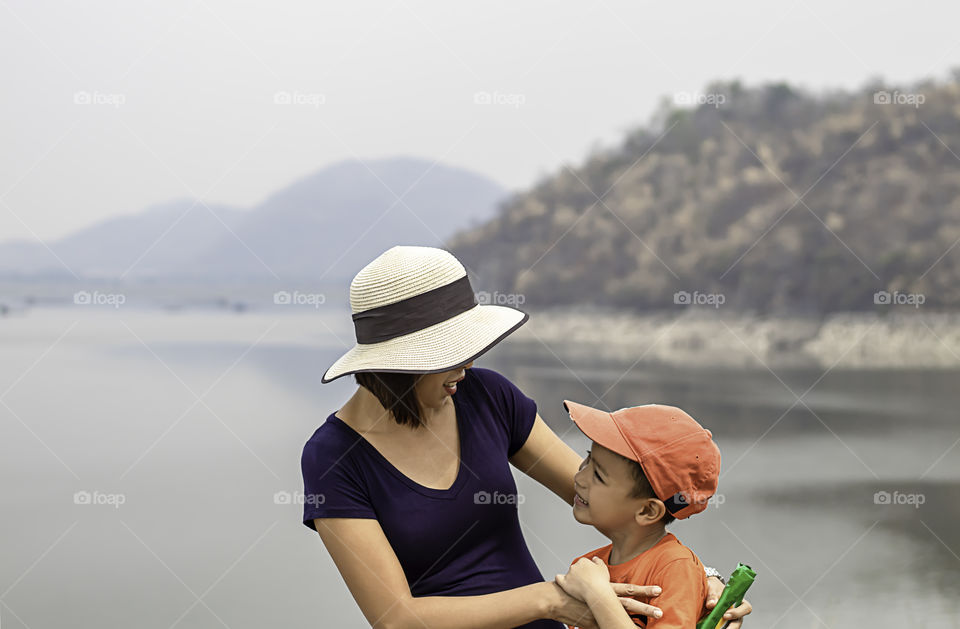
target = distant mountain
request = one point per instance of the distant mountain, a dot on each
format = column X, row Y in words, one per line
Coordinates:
column 325, row 226
column 705, row 200
column 331, row 224
column 152, row 242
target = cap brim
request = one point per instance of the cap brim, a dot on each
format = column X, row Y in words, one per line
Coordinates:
column 434, row 349
column 600, row 427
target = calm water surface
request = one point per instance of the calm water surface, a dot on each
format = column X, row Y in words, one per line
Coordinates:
column 149, row 473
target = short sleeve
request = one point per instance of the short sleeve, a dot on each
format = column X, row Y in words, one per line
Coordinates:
column 333, row 485
column 683, row 584
column 518, row 412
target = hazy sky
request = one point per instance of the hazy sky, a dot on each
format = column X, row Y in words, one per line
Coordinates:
column 182, row 93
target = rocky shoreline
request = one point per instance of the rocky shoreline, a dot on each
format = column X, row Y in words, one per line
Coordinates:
column 709, row 338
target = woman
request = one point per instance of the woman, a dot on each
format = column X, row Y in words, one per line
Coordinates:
column 409, row 484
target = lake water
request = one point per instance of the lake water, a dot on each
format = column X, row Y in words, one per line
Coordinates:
column 149, row 474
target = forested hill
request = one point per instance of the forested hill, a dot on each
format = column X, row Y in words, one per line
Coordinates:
column 777, row 199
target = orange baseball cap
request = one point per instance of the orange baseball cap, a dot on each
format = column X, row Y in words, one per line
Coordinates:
column 677, row 454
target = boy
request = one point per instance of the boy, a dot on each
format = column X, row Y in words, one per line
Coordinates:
column 648, row 466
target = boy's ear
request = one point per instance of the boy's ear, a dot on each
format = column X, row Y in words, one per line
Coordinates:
column 650, row 511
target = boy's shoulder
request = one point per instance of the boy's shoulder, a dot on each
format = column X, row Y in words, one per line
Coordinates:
column 667, row 553
column 672, row 549
column 672, row 566
column 603, row 553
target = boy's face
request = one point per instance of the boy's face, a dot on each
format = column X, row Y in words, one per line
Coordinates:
column 603, row 487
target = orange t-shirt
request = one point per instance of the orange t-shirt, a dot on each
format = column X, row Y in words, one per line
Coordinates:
column 672, row 566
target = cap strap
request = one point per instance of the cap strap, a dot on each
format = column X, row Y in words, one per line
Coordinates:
column 675, row 503
column 414, row 313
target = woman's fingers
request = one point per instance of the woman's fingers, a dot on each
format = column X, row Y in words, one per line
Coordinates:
column 629, row 589
column 634, row 606
column 625, row 591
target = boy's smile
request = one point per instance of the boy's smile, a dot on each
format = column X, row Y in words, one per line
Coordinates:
column 604, row 497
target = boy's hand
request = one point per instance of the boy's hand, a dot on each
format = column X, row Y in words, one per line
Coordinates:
column 584, row 578
column 735, row 614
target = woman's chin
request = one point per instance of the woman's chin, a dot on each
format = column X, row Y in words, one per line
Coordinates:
column 439, row 403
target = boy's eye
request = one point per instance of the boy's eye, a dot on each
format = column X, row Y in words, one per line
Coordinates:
column 586, row 460
column 584, row 464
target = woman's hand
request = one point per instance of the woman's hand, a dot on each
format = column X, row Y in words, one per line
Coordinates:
column 714, row 588
column 574, row 612
column 569, row 610
column 585, row 577
column 626, row 591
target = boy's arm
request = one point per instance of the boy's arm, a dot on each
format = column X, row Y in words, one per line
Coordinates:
column 608, row 611
column 589, row 581
column 682, row 599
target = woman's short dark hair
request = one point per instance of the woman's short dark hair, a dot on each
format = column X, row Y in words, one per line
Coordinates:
column 395, row 391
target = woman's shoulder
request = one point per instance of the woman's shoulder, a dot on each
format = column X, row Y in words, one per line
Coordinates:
column 508, row 408
column 488, row 378
column 332, row 438
column 495, row 384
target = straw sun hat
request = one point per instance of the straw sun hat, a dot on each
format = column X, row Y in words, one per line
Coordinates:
column 414, row 311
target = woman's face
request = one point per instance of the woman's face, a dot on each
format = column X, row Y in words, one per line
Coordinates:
column 433, row 389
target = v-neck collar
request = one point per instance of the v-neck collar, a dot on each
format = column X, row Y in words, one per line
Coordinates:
column 462, row 437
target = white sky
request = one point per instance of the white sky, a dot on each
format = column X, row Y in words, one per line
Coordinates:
column 198, row 80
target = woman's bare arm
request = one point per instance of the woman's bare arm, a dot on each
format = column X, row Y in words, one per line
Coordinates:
column 373, row 574
column 546, row 459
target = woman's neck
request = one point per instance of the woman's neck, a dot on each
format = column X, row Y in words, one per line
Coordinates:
column 365, row 414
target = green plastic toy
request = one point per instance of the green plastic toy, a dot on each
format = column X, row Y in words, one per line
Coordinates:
column 732, row 596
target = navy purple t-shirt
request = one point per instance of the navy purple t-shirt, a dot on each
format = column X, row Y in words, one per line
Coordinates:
column 461, row 541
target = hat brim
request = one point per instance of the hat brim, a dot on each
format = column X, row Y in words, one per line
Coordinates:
column 600, row 427
column 434, row 349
